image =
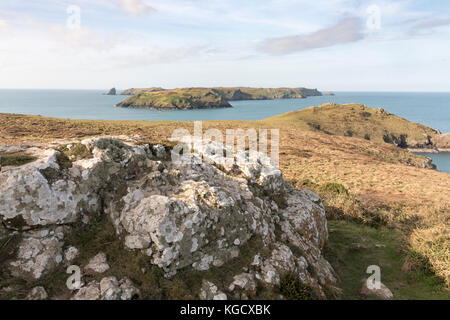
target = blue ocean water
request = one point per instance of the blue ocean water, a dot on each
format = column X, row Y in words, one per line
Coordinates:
column 431, row 109
column 441, row 160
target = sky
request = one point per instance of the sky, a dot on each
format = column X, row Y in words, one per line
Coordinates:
column 335, row 45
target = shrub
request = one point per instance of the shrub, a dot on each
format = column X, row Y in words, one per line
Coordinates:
column 293, row 289
column 335, row 188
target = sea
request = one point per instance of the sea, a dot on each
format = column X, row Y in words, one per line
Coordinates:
column 428, row 108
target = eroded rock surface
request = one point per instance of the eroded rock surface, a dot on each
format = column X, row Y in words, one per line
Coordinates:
column 193, row 213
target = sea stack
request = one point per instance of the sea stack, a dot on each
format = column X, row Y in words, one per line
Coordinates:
column 111, row 92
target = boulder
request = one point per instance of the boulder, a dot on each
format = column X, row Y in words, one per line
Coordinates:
column 442, row 141
column 382, row 292
column 97, row 264
column 37, row 254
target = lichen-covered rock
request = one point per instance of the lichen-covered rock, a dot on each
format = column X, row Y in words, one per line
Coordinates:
column 209, row 291
column 244, row 281
column 42, row 193
column 70, row 254
column 37, row 254
column 109, row 288
column 97, row 264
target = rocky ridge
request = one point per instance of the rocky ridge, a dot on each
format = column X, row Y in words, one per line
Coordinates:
column 190, row 214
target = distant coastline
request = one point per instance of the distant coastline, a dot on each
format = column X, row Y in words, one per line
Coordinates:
column 157, row 98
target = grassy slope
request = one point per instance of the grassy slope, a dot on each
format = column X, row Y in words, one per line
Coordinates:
column 385, row 189
column 351, row 263
column 357, row 121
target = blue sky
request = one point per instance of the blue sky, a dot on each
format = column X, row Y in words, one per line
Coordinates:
column 331, row 45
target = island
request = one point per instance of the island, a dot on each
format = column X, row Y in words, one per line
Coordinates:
column 176, row 99
column 342, row 189
column 206, row 98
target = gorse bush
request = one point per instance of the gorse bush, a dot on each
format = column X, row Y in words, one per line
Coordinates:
column 293, row 289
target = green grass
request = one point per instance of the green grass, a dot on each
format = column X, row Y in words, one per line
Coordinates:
column 351, row 264
column 15, row 159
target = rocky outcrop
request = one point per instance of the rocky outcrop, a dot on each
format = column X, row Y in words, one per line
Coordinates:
column 109, row 288
column 111, row 92
column 196, row 213
column 442, row 142
column 97, row 264
column 381, row 292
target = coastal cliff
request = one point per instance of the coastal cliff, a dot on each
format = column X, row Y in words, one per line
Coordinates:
column 246, row 93
column 161, row 217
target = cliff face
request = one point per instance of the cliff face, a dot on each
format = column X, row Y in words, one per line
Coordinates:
column 197, row 215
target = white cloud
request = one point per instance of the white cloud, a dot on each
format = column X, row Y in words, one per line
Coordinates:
column 347, row 30
column 135, row 7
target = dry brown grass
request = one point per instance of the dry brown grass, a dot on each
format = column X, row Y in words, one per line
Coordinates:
column 384, row 184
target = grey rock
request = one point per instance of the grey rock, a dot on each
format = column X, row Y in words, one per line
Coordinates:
column 37, row 293
column 209, row 291
column 97, row 264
